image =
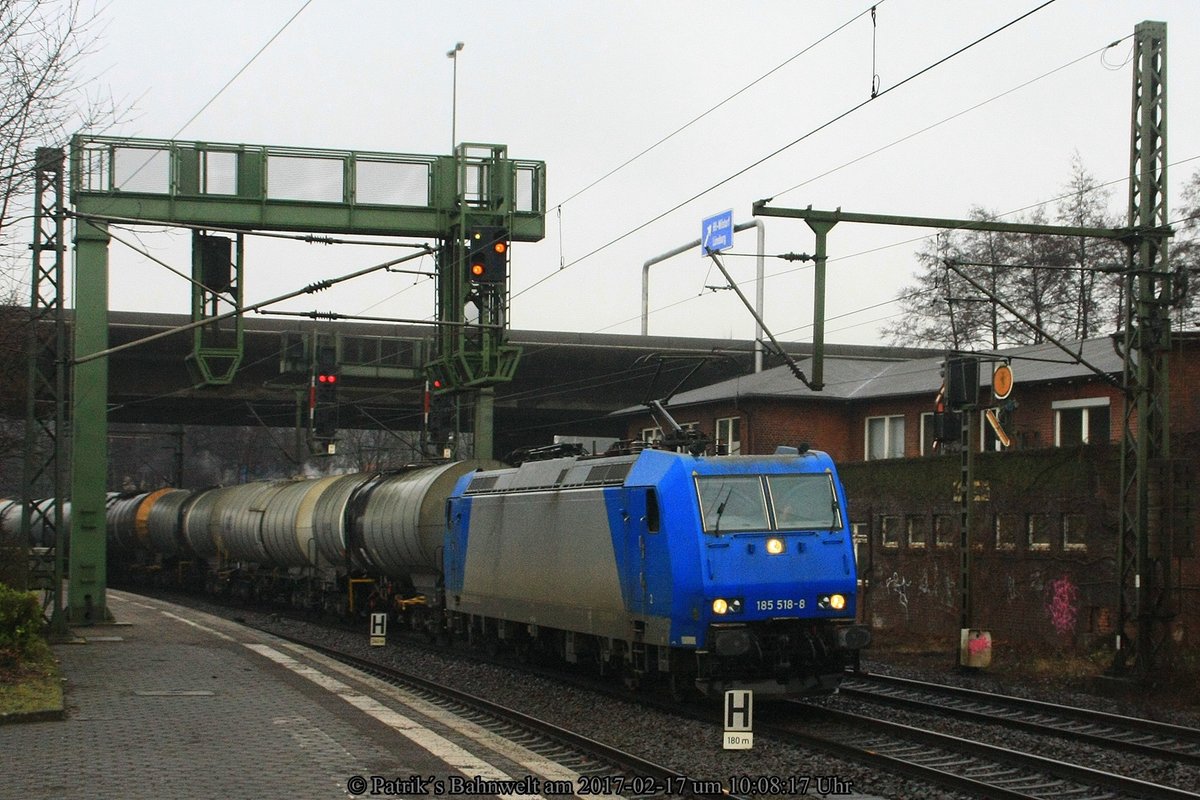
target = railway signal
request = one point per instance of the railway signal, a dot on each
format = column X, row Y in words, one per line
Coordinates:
column 487, row 255
column 323, row 398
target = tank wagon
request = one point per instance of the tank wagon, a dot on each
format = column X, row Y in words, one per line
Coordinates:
column 709, row 573
column 324, row 543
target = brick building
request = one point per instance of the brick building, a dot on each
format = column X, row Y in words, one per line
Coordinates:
column 1045, row 537
column 874, row 408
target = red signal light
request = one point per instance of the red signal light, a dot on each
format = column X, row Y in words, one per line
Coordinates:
column 327, row 379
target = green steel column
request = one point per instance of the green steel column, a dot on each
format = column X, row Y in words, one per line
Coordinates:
column 820, row 258
column 88, row 578
column 485, row 402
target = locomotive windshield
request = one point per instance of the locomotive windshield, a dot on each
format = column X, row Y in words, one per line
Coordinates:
column 767, row 502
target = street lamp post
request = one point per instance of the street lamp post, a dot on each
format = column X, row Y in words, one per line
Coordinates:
column 453, row 56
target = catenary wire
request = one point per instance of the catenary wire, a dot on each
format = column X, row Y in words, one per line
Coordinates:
column 832, row 121
column 871, row 10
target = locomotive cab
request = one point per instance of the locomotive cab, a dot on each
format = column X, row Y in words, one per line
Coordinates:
column 773, row 608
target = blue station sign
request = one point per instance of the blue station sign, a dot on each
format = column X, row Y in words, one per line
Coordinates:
column 716, row 233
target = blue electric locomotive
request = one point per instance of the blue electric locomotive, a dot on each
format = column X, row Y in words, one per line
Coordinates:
column 726, row 572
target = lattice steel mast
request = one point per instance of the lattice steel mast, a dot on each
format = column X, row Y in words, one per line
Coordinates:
column 1148, row 475
column 45, row 388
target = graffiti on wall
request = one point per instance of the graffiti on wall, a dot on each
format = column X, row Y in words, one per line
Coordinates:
column 899, row 586
column 939, row 587
column 1062, row 604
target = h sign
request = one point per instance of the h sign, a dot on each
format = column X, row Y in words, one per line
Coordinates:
column 378, row 629
column 739, row 717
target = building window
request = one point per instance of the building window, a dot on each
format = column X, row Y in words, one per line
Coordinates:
column 651, row 435
column 1084, row 421
column 918, row 530
column 729, row 436
column 928, row 432
column 1074, row 532
column 889, row 530
column 1039, row 532
column 859, row 532
column 945, row 530
column 1007, row 527
column 885, row 437
column 989, row 440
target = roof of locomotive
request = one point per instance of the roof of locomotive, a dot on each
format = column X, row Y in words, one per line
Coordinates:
column 644, row 468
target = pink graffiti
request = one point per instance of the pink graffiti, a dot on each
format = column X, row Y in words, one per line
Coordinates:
column 979, row 644
column 1063, row 604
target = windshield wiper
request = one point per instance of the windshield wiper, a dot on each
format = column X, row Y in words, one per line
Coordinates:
column 721, row 510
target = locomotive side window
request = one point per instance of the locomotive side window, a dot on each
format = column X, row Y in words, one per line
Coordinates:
column 804, row 502
column 732, row 503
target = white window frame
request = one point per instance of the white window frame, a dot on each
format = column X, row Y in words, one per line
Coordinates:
column 919, row 519
column 1066, row 520
column 724, row 429
column 1085, row 404
column 1030, row 544
column 926, row 428
column 651, row 435
column 884, row 521
column 1005, row 517
column 887, row 437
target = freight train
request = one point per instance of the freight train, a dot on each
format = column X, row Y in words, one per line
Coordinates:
column 707, row 572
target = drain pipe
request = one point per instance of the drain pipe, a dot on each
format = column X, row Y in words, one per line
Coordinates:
column 758, row 294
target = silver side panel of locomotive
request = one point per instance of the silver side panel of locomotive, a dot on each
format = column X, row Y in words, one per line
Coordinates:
column 544, row 558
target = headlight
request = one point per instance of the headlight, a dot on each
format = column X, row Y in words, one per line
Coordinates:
column 835, row 601
column 722, row 606
column 774, row 546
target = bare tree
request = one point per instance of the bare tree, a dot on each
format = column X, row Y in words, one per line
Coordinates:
column 43, row 98
column 1096, row 290
column 1185, row 256
column 1070, row 288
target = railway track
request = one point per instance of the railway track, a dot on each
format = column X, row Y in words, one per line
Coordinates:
column 1172, row 743
column 603, row 770
column 876, row 746
column 957, row 763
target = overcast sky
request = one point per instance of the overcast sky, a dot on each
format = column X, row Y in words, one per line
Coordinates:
column 587, row 86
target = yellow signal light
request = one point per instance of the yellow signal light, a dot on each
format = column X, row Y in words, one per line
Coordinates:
column 477, row 269
column 500, row 247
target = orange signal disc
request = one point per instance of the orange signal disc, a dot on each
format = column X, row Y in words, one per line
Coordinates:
column 500, row 247
column 1002, row 382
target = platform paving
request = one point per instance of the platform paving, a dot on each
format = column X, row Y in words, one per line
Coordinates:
column 173, row 704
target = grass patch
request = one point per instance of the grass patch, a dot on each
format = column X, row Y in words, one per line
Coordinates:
column 33, row 686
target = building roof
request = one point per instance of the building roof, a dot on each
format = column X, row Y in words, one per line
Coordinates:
column 848, row 379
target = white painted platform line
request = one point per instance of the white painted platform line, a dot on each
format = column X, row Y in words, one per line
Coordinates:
column 455, row 756
column 535, row 763
column 197, row 625
column 122, row 599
